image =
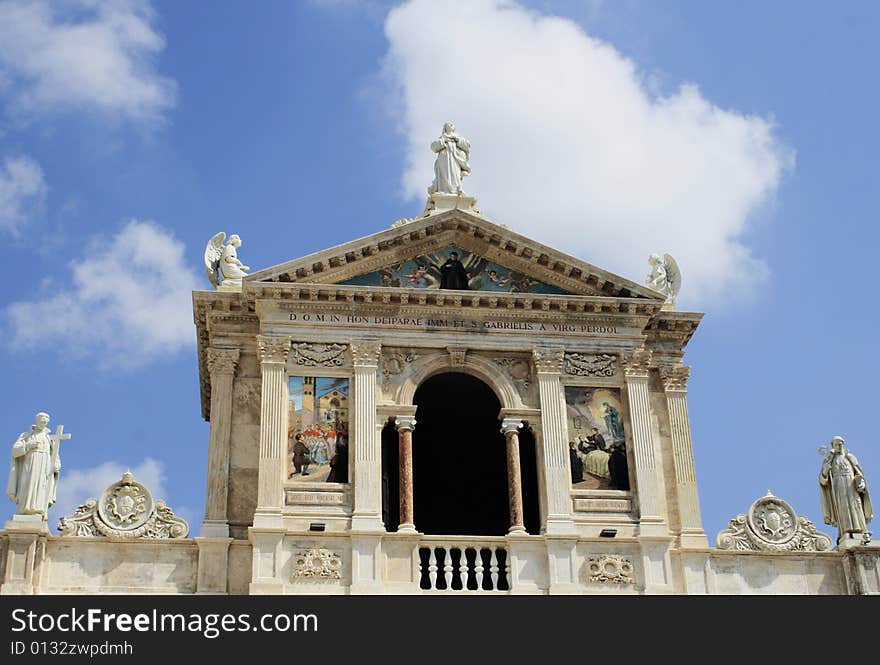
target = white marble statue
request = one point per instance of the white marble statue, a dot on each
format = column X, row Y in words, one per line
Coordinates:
column 451, row 165
column 846, row 503
column 221, row 262
column 665, row 276
column 34, row 469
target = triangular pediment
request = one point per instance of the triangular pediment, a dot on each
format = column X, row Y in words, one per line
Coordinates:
column 494, row 258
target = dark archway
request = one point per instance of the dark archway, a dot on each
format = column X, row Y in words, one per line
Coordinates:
column 528, row 469
column 459, row 458
column 390, row 478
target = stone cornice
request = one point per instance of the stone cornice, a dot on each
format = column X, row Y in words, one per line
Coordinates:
column 469, row 232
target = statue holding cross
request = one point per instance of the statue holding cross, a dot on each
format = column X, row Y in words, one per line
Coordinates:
column 34, row 469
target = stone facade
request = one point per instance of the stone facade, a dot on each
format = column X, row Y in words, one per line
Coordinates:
column 266, row 531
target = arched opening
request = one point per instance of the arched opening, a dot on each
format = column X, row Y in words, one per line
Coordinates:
column 528, row 467
column 459, row 458
column 390, row 478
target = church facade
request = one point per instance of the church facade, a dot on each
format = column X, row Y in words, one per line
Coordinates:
column 446, row 407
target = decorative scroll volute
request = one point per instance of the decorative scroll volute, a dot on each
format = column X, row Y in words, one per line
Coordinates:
column 548, row 361
column 222, row 361
column 365, row 353
column 583, row 364
column 675, row 378
column 636, row 364
column 309, row 354
column 273, row 349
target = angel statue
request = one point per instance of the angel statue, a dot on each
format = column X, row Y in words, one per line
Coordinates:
column 221, row 261
column 665, row 276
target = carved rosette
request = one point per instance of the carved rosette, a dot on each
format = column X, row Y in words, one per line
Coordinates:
column 126, row 510
column 273, row 349
column 636, row 364
column 222, row 361
column 582, row 364
column 319, row 563
column 772, row 525
column 610, row 569
column 394, row 364
column 548, row 361
column 318, row 355
column 674, row 378
column 365, row 353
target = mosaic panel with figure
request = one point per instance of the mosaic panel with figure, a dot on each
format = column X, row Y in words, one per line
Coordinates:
column 317, row 434
column 453, row 268
column 596, row 439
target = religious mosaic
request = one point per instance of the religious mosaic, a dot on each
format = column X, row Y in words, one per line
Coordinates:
column 596, row 439
column 453, row 268
column 317, row 441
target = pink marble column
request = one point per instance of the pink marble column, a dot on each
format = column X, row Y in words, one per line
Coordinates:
column 405, row 426
column 511, row 427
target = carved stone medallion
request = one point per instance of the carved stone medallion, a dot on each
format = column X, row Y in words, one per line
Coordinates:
column 771, row 524
column 126, row 509
column 610, row 568
column 394, row 364
column 318, row 563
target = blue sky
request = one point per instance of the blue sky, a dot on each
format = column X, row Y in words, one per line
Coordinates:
column 741, row 137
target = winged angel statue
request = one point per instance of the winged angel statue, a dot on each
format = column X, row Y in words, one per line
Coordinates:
column 221, row 262
column 665, row 276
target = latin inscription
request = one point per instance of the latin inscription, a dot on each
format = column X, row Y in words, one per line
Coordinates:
column 426, row 323
column 603, row 505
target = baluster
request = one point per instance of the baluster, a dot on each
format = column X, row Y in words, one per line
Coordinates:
column 507, row 569
column 493, row 569
column 432, row 569
column 463, row 567
column 478, row 567
column 447, row 567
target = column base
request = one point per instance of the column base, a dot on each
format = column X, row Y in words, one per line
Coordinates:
column 517, row 530
column 214, row 529
column 367, row 523
column 268, row 519
column 653, row 527
column 213, row 572
column 559, row 526
column 693, row 540
column 407, row 527
column 27, row 523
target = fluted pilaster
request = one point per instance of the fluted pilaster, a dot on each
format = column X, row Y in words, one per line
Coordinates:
column 273, row 423
column 221, row 368
column 548, row 366
column 636, row 370
column 365, row 437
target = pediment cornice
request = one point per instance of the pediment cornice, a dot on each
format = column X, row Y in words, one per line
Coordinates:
column 470, row 232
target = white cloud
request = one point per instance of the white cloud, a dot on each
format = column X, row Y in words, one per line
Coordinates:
column 570, row 146
column 128, row 301
column 92, row 54
column 22, row 192
column 76, row 486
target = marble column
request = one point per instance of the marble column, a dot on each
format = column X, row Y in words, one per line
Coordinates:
column 636, row 370
column 675, row 386
column 366, row 439
column 557, row 478
column 273, row 430
column 221, row 368
column 405, row 426
column 510, row 427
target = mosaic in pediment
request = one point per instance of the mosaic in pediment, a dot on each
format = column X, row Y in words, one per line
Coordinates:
column 454, row 268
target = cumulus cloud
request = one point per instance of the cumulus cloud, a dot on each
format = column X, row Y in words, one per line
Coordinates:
column 571, row 147
column 92, row 54
column 76, row 486
column 22, row 192
column 128, row 301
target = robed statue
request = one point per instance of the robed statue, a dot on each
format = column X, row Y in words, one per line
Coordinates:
column 846, row 503
column 451, row 165
column 34, row 469
column 224, row 269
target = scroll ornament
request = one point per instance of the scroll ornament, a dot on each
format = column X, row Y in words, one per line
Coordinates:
column 125, row 510
column 318, row 355
column 318, row 563
column 772, row 525
column 581, row 364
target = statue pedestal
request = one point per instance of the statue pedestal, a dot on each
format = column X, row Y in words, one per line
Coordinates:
column 849, row 542
column 29, row 523
column 441, row 202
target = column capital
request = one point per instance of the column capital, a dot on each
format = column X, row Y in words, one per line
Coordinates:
column 365, row 352
column 273, row 349
column 221, row 361
column 636, row 363
column 405, row 423
column 548, row 360
column 675, row 377
column 511, row 425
